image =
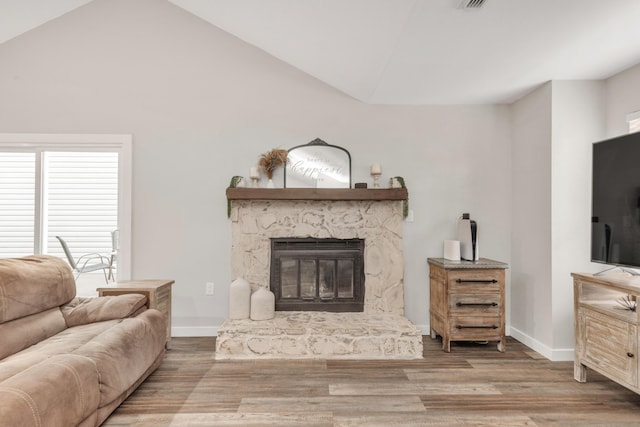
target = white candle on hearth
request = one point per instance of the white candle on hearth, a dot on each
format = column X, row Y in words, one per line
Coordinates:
column 376, row 169
column 254, row 172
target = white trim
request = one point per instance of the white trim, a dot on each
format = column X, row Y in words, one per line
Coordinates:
column 633, row 121
column 633, row 116
column 122, row 143
column 555, row 355
column 125, row 186
column 63, row 141
column 39, row 202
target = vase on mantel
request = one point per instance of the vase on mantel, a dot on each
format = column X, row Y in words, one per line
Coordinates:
column 270, row 184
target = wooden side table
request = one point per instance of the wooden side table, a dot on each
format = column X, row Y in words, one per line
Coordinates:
column 158, row 293
column 467, row 301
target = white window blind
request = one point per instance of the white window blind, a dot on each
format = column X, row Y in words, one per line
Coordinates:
column 17, row 204
column 80, row 201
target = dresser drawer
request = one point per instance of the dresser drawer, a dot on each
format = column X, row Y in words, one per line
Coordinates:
column 476, row 281
column 475, row 304
column 475, row 328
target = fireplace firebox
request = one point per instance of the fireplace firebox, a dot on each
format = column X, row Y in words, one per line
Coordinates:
column 309, row 274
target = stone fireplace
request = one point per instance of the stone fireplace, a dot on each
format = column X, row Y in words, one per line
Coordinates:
column 260, row 217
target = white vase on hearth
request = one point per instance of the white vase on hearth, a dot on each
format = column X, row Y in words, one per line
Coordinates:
column 239, row 299
column 263, row 304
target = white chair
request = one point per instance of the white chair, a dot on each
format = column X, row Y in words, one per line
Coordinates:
column 86, row 263
column 115, row 247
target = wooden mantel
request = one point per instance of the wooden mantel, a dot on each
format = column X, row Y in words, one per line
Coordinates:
column 317, row 193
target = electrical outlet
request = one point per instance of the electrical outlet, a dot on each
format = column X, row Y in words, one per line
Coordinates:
column 208, row 288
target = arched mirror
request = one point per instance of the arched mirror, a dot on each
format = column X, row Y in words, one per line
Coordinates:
column 318, row 165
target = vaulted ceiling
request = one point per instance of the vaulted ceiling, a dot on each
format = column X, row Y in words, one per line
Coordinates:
column 421, row 52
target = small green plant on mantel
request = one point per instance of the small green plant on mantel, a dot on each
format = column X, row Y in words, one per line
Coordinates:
column 405, row 202
column 234, row 182
column 628, row 303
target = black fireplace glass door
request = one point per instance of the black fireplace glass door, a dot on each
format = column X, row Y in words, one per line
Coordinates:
column 308, row 271
column 345, row 278
column 327, row 279
column 289, row 277
column 317, row 274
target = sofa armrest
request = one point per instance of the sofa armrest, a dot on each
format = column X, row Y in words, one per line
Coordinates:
column 81, row 310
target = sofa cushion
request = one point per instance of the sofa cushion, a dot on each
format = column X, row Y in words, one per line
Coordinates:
column 33, row 284
column 62, row 390
column 64, row 342
column 124, row 352
column 81, row 311
column 19, row 334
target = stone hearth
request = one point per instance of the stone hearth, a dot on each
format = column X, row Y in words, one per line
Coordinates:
column 381, row 331
column 323, row 335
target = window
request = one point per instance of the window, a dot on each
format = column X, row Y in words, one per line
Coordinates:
column 633, row 119
column 74, row 186
column 79, row 201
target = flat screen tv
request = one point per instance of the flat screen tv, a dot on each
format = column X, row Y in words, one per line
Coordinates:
column 615, row 201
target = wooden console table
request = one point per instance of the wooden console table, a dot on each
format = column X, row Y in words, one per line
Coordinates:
column 467, row 301
column 606, row 334
column 158, row 293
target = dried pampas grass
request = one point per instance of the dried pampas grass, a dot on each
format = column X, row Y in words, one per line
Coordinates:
column 270, row 161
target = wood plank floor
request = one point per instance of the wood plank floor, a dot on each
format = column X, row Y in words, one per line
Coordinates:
column 474, row 385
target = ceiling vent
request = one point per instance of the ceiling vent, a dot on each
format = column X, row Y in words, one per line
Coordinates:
column 471, row 4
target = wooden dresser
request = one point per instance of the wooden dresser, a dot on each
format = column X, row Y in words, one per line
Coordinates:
column 467, row 301
column 606, row 334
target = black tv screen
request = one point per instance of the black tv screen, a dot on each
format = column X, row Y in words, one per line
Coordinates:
column 615, row 202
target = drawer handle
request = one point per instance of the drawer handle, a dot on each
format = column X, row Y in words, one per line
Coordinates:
column 476, row 327
column 463, row 304
column 476, row 281
column 630, row 354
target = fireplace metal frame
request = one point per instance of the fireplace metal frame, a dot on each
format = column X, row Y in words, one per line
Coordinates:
column 318, row 249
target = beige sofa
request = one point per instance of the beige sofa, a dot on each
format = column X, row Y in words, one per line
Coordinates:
column 65, row 360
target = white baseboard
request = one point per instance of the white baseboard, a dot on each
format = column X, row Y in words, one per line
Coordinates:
column 555, row 355
column 194, row 331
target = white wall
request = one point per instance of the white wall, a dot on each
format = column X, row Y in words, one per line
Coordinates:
column 577, row 122
column 202, row 106
column 531, row 120
column 553, row 129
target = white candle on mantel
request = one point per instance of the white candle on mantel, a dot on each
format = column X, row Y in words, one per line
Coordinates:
column 254, row 172
column 376, row 169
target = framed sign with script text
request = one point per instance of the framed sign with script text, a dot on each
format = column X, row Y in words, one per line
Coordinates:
column 318, row 165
